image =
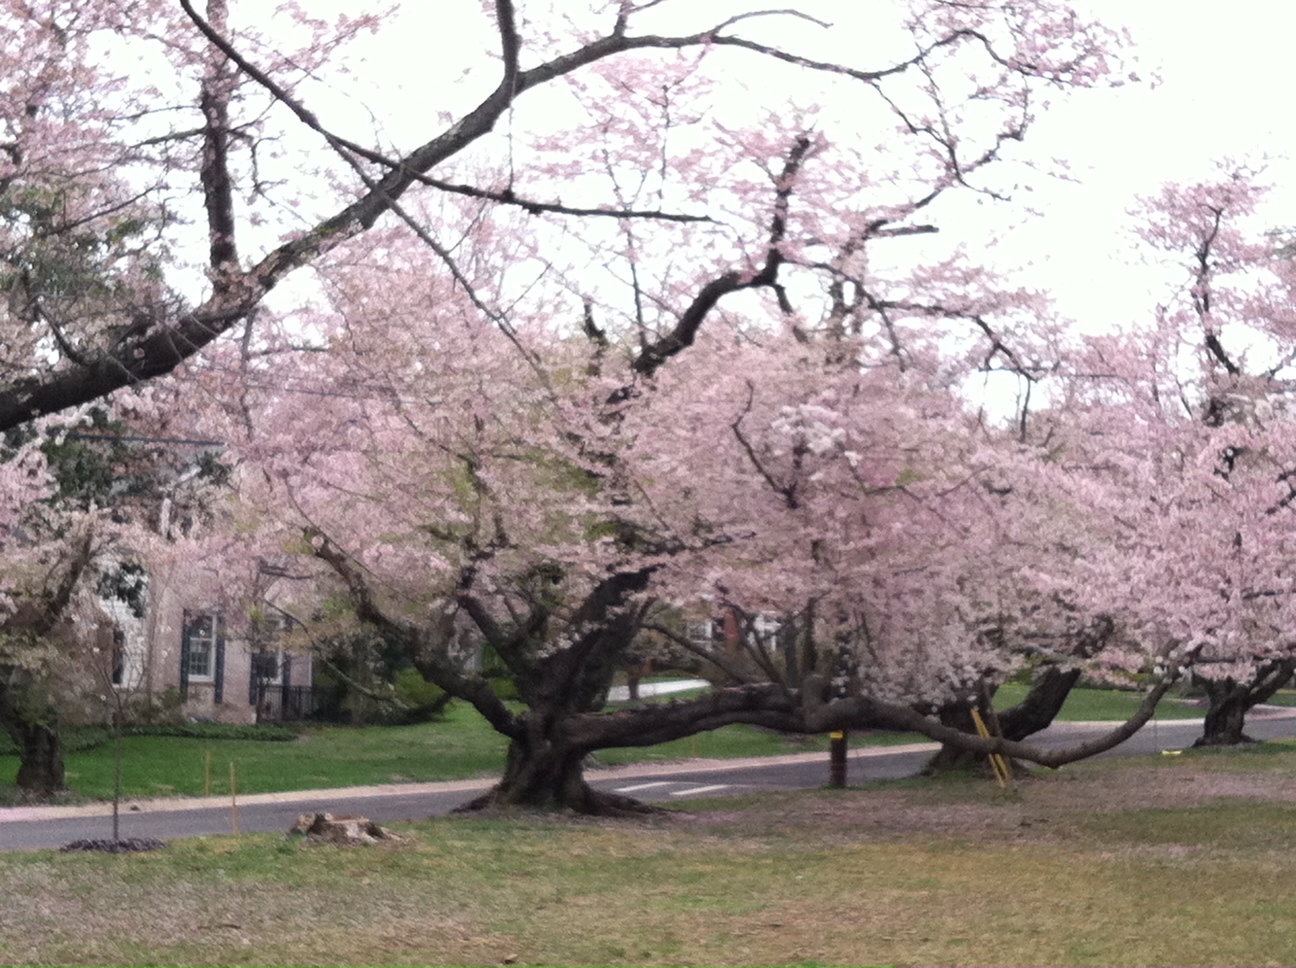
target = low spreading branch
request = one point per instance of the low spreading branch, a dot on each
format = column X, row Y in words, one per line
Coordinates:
column 431, row 660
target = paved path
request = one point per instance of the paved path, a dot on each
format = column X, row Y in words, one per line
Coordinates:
column 647, row 689
column 25, row 828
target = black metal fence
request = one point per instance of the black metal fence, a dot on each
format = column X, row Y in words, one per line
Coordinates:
column 285, row 704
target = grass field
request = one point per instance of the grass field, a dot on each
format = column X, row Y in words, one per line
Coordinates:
column 1101, row 704
column 461, row 746
column 1188, row 860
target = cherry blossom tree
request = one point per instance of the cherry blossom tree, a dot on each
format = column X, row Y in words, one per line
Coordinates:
column 85, row 527
column 523, row 495
column 604, row 212
column 34, row 643
column 945, row 551
column 1187, row 419
column 90, row 498
column 613, row 115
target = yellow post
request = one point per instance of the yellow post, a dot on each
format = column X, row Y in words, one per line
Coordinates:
column 233, row 798
column 1000, row 766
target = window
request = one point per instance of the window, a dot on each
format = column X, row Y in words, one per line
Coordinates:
column 201, row 634
column 118, row 656
column 202, row 654
column 268, row 657
column 267, row 666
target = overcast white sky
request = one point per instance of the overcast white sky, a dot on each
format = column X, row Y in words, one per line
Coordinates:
column 1224, row 89
column 1223, row 79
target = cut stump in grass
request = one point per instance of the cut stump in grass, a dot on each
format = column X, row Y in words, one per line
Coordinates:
column 342, row 829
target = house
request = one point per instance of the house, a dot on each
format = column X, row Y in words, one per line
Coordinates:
column 170, row 647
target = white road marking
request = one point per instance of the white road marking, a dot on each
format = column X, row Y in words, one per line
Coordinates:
column 642, row 786
column 702, row 789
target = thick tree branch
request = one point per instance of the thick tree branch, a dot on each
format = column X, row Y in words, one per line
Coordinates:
column 169, row 341
column 767, row 705
column 432, row 660
column 214, row 175
column 57, row 596
column 685, row 331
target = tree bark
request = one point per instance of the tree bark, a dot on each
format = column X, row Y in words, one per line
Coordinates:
column 1049, row 690
column 546, row 772
column 31, row 722
column 1229, row 701
column 40, row 750
column 950, row 758
column 1225, row 715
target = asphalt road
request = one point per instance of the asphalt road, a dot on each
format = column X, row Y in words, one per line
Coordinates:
column 27, row 828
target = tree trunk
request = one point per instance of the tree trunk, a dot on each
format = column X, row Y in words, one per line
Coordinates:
column 544, row 774
column 1048, row 691
column 27, row 716
column 40, row 770
column 1229, row 701
column 949, row 759
column 1225, row 714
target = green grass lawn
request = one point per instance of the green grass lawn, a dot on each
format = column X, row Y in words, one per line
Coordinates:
column 461, row 746
column 1087, row 705
column 1148, row 860
column 1284, row 697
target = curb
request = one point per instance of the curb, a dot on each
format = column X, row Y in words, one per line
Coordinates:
column 627, row 771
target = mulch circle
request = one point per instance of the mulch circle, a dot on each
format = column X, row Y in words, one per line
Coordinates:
column 127, row 845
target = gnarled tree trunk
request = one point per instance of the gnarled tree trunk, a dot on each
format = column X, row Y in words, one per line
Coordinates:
column 33, row 727
column 1229, row 701
column 40, row 771
column 1048, row 691
column 31, row 722
column 546, row 772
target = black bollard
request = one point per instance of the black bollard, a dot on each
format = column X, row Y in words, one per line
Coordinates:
column 837, row 759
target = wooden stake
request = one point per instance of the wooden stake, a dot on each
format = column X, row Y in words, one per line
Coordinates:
column 233, row 798
column 1003, row 773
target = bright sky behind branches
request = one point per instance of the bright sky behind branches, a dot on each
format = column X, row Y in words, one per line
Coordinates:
column 1214, row 85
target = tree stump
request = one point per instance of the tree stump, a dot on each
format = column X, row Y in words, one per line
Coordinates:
column 346, row 830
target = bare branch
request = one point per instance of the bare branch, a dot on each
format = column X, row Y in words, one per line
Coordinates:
column 218, row 190
column 432, row 661
column 509, row 197
column 788, row 491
